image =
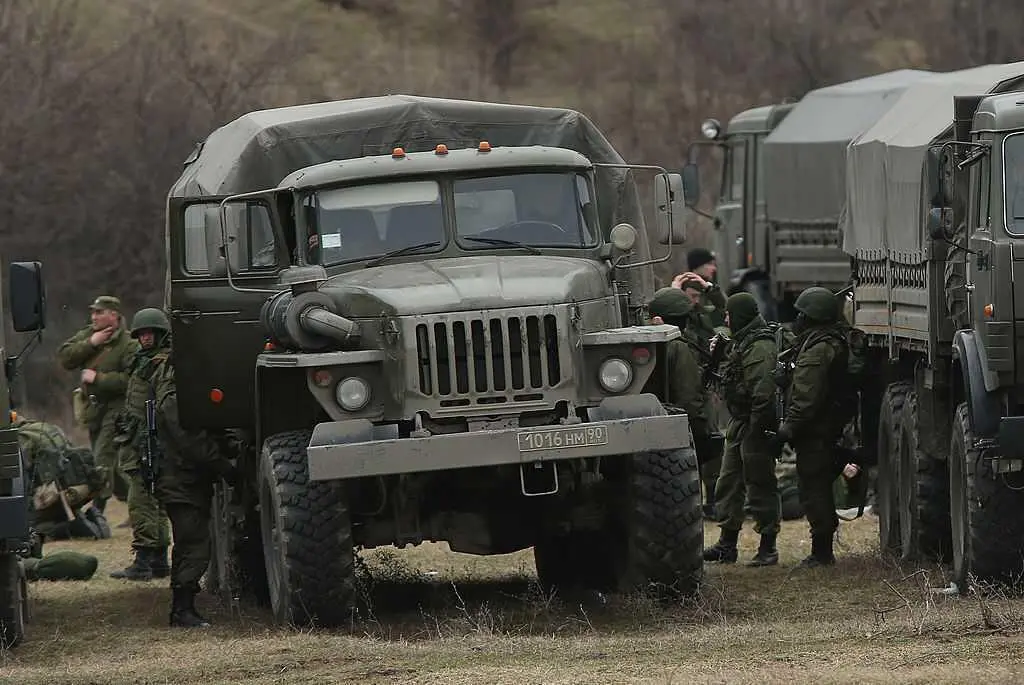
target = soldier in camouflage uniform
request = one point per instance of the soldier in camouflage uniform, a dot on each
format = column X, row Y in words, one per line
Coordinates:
column 809, row 424
column 189, row 463
column 101, row 353
column 685, row 387
column 150, row 528
column 748, row 467
column 60, row 474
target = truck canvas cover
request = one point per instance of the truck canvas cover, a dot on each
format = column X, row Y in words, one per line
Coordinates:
column 805, row 156
column 885, row 166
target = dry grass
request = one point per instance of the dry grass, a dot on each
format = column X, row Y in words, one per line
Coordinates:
column 439, row 617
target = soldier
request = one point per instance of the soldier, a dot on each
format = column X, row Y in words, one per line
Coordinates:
column 704, row 267
column 708, row 301
column 684, row 378
column 101, row 352
column 150, row 529
column 63, row 479
column 188, row 464
column 748, row 467
column 809, row 425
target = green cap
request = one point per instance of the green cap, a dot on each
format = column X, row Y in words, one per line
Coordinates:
column 106, row 302
column 670, row 302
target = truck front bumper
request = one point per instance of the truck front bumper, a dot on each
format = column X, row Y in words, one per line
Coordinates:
column 333, row 454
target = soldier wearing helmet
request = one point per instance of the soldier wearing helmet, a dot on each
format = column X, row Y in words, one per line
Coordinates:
column 819, row 368
column 188, row 464
column 101, row 353
column 681, row 384
column 150, row 528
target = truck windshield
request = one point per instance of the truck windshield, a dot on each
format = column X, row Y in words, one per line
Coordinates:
column 1013, row 165
column 360, row 222
column 535, row 209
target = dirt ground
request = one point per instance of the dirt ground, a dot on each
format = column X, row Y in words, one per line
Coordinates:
column 440, row 617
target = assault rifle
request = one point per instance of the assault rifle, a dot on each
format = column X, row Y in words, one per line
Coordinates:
column 719, row 348
column 151, row 457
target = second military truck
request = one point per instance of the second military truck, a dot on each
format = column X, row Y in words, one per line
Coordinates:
column 426, row 319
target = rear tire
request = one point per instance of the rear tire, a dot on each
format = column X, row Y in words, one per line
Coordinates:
column 887, row 499
column 987, row 529
column 307, row 537
column 13, row 600
column 924, row 493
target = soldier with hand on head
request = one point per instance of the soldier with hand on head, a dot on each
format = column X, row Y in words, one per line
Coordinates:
column 701, row 286
column 748, row 466
column 101, row 354
column 683, row 374
column 185, row 466
column 150, row 528
column 810, row 424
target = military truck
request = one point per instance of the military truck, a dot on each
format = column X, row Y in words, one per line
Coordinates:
column 425, row 320
column 930, row 223
column 777, row 217
column 28, row 314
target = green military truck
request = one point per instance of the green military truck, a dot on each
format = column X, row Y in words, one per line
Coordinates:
column 424, row 319
column 934, row 229
column 27, row 315
column 777, row 216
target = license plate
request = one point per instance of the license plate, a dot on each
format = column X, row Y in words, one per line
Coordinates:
column 562, row 438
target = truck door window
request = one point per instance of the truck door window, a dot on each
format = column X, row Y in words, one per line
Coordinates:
column 253, row 246
column 539, row 209
column 366, row 221
column 1013, row 179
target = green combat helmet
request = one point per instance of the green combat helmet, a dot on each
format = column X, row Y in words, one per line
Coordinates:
column 149, row 318
column 670, row 303
column 818, row 304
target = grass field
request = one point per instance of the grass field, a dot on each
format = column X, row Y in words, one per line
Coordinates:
column 439, row 617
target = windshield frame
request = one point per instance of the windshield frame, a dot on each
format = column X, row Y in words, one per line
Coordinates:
column 591, row 231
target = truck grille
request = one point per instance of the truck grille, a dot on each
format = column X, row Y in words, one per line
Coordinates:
column 501, row 354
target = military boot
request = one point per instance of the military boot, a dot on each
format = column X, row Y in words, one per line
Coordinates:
column 158, row 562
column 724, row 550
column 141, row 568
column 183, row 608
column 766, row 555
column 821, row 552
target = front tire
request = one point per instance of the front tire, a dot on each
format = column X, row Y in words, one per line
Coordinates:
column 924, row 493
column 887, row 501
column 307, row 537
column 987, row 530
column 13, row 600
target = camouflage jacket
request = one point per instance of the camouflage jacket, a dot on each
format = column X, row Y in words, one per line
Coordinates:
column 143, row 376
column 111, row 362
column 712, row 308
column 190, row 460
column 50, row 458
column 748, row 382
column 683, row 365
column 808, row 398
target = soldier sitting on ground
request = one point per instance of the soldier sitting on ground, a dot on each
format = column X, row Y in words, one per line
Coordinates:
column 63, row 480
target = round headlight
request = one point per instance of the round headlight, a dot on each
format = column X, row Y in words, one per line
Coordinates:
column 615, row 375
column 352, row 393
column 711, row 129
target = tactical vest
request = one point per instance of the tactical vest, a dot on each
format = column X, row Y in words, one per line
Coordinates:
column 144, row 368
column 737, row 394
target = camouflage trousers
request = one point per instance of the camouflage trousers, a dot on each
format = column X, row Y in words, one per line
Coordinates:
column 149, row 519
column 190, row 555
column 815, row 468
column 101, row 441
column 748, row 476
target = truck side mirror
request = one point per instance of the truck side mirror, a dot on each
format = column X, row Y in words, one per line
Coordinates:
column 691, row 184
column 28, row 296
column 671, row 209
column 940, row 223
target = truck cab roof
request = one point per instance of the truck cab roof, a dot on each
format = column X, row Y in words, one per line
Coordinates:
column 1003, row 112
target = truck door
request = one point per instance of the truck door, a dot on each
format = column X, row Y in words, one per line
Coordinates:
column 733, row 209
column 216, row 330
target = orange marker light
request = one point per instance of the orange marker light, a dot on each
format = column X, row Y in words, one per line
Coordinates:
column 14, row 416
column 484, row 146
column 441, row 149
column 398, row 153
column 989, row 310
column 322, row 378
column 216, row 395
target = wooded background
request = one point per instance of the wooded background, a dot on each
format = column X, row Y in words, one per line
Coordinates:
column 103, row 100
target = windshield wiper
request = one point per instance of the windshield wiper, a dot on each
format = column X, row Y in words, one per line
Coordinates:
column 501, row 241
column 408, row 249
